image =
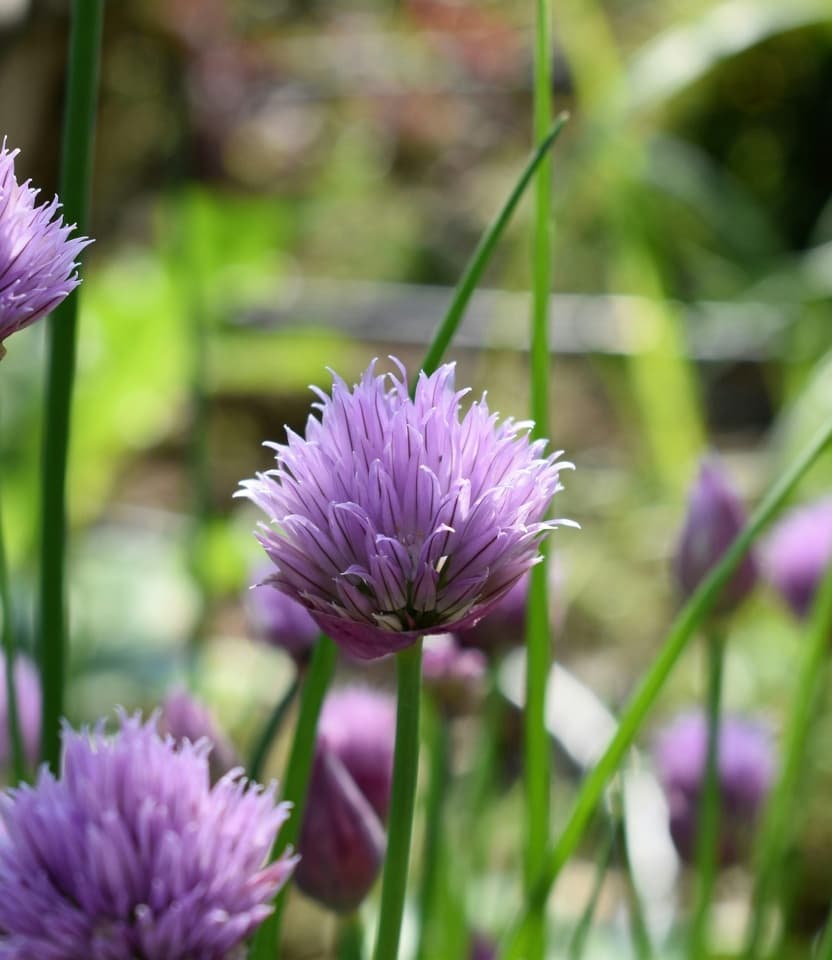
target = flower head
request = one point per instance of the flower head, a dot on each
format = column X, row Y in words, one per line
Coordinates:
column 396, row 517
column 715, row 517
column 27, row 688
column 745, row 772
column 37, row 256
column 454, row 675
column 184, row 717
column 798, row 552
column 132, row 854
column 279, row 620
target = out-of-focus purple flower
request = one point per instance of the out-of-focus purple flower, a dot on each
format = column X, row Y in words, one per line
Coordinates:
column 186, row 718
column 27, row 688
column 714, row 518
column 798, row 552
column 394, row 518
column 279, row 620
column 131, row 853
column 482, row 948
column 358, row 725
column 37, row 256
column 342, row 840
column 453, row 674
column 746, row 767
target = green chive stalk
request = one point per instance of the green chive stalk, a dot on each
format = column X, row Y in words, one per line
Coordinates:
column 10, row 654
column 537, row 770
column 776, row 833
column 75, row 181
column 266, row 944
column 350, row 937
column 708, row 815
column 688, row 621
column 402, row 801
column 439, row 776
column 271, row 729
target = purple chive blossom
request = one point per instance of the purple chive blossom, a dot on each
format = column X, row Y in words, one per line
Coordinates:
column 132, row 855
column 797, row 553
column 184, row 717
column 454, row 675
column 745, row 767
column 358, row 725
column 394, row 518
column 27, row 688
column 279, row 620
column 715, row 517
column 37, row 256
column 341, row 841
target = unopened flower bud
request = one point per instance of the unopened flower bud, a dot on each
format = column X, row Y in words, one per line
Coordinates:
column 454, row 675
column 714, row 518
column 798, row 552
column 279, row 620
column 184, row 717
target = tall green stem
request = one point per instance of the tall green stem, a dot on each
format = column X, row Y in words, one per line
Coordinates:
column 824, row 950
column 76, row 175
column 776, row 833
column 350, row 938
column 708, row 814
column 271, row 728
column 577, row 944
column 439, row 746
column 10, row 653
column 402, row 801
column 687, row 622
column 266, row 945
column 537, row 772
column 485, row 248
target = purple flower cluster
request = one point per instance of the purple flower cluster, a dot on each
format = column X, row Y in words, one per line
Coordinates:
column 396, row 517
column 342, row 838
column 132, row 855
column 745, row 772
column 797, row 553
column 37, row 256
column 279, row 620
column 27, row 688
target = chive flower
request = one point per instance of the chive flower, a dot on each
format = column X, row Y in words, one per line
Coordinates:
column 37, row 256
column 715, row 517
column 454, row 675
column 27, row 688
column 279, row 620
column 745, row 772
column 393, row 517
column 186, row 718
column 131, row 855
column 797, row 553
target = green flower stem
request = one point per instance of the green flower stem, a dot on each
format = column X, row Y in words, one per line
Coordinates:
column 350, row 937
column 708, row 815
column 485, row 248
column 10, row 653
column 271, row 728
column 776, row 833
column 577, row 944
column 687, row 622
column 402, row 801
column 76, row 173
column 439, row 776
column 639, row 934
column 266, row 945
column 537, row 765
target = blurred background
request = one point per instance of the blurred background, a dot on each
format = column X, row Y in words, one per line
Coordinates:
column 286, row 186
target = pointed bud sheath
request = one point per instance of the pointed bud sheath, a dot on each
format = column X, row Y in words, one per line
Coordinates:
column 745, row 771
column 279, row 620
column 714, row 519
column 358, row 725
column 342, row 840
column 798, row 552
